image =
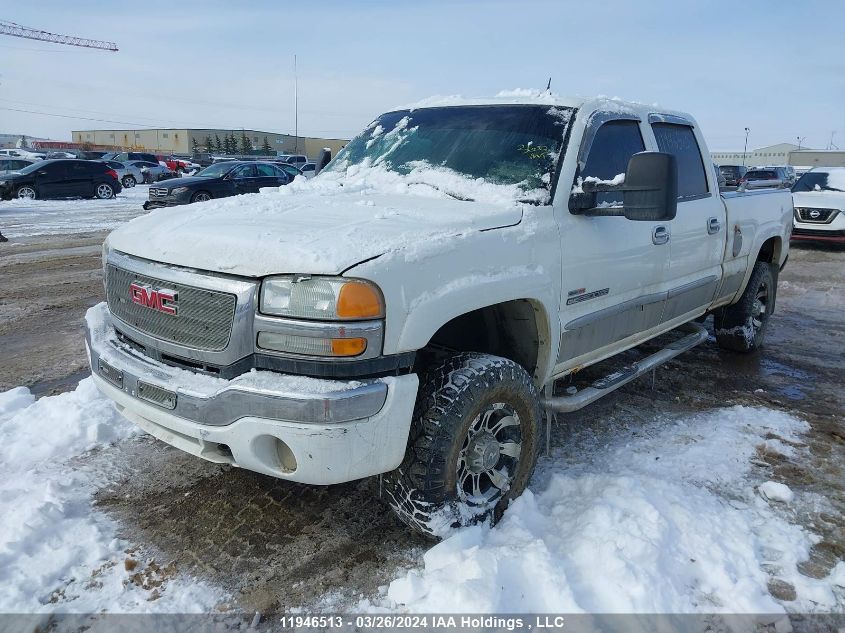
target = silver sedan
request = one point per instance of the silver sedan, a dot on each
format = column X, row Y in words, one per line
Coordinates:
column 127, row 173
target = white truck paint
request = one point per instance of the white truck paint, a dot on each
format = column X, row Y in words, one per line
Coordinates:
column 561, row 288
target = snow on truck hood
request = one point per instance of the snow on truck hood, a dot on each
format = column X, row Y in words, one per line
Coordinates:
column 300, row 228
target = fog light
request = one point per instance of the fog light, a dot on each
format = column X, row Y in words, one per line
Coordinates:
column 309, row 346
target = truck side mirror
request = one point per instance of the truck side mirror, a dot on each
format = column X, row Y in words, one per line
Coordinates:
column 322, row 160
column 649, row 193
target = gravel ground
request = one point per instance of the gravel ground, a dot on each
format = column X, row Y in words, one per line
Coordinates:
column 276, row 544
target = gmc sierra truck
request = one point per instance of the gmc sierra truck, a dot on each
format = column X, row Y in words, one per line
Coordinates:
column 406, row 313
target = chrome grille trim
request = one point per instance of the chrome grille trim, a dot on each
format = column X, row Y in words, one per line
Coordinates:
column 158, row 192
column 825, row 216
column 204, row 320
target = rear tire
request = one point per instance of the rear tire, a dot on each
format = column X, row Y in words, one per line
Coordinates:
column 104, row 191
column 472, row 448
column 741, row 327
column 129, row 181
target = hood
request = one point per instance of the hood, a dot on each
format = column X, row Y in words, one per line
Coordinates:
column 185, row 181
column 277, row 232
column 820, row 199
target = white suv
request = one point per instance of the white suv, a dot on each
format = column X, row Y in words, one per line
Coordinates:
column 819, row 199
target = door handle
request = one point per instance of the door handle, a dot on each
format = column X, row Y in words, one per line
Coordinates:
column 660, row 235
column 713, row 226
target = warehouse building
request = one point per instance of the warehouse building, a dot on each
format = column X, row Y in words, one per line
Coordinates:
column 782, row 154
column 182, row 141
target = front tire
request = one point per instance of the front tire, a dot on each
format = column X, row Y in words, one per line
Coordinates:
column 741, row 327
column 201, row 196
column 27, row 192
column 473, row 445
column 129, row 181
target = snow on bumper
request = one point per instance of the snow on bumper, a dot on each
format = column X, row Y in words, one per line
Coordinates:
column 302, row 429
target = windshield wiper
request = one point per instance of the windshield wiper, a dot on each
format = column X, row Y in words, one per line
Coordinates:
column 448, row 193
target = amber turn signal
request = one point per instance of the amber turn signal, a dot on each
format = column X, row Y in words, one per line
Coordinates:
column 358, row 300
column 348, row 346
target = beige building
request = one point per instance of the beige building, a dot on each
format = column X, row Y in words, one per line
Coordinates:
column 782, row 154
column 181, row 141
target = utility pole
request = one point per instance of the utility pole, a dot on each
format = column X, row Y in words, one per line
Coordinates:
column 745, row 150
column 800, row 139
column 831, row 145
column 295, row 108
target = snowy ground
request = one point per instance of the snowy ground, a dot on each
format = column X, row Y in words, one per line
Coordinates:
column 27, row 218
column 719, row 491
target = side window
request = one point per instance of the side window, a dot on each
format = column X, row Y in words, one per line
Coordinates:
column 265, row 171
column 246, row 171
column 613, row 145
column 679, row 140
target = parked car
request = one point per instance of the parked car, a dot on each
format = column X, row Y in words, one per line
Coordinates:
column 294, row 159
column 308, row 169
column 128, row 174
column 152, row 171
column 124, row 157
column 819, row 199
column 61, row 178
column 22, row 153
column 218, row 181
column 179, row 165
column 91, row 155
column 764, row 178
column 292, row 170
column 54, row 155
column 439, row 329
column 733, row 174
column 13, row 164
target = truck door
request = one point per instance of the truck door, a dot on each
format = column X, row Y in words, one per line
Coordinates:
column 698, row 230
column 613, row 269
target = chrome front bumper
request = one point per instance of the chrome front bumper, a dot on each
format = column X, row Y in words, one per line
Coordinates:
column 292, row 427
column 216, row 402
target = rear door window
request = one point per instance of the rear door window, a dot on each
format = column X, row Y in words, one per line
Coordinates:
column 679, row 140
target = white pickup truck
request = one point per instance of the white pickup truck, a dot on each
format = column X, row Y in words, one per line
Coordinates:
column 407, row 312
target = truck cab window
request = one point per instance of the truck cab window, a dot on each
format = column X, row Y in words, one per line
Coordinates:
column 680, row 140
column 613, row 145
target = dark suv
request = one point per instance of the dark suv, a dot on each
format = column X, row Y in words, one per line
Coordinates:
column 125, row 157
column 61, row 179
column 732, row 174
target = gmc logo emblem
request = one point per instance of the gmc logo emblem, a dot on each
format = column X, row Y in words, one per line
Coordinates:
column 159, row 299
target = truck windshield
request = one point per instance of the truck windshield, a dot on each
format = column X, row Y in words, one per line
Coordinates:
column 821, row 181
column 516, row 145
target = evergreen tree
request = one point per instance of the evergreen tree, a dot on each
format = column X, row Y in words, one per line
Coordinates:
column 246, row 146
column 209, row 144
column 265, row 147
column 218, row 144
column 233, row 143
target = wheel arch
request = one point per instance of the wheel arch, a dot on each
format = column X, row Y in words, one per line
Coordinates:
column 517, row 329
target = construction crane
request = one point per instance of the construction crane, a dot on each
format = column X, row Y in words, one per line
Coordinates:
column 16, row 30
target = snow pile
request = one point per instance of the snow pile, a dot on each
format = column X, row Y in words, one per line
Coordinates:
column 666, row 522
column 775, row 491
column 56, row 553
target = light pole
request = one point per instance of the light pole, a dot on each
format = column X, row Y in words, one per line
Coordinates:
column 800, row 139
column 745, row 149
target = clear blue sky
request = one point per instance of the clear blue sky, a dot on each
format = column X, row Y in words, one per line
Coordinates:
column 776, row 67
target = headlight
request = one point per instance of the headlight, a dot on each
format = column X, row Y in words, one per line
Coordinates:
column 178, row 190
column 106, row 250
column 325, row 298
column 2, row 183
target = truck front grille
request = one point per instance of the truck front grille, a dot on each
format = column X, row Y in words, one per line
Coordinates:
column 815, row 216
column 203, row 319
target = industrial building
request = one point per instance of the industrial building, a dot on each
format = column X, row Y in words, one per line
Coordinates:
column 782, row 154
column 182, row 141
